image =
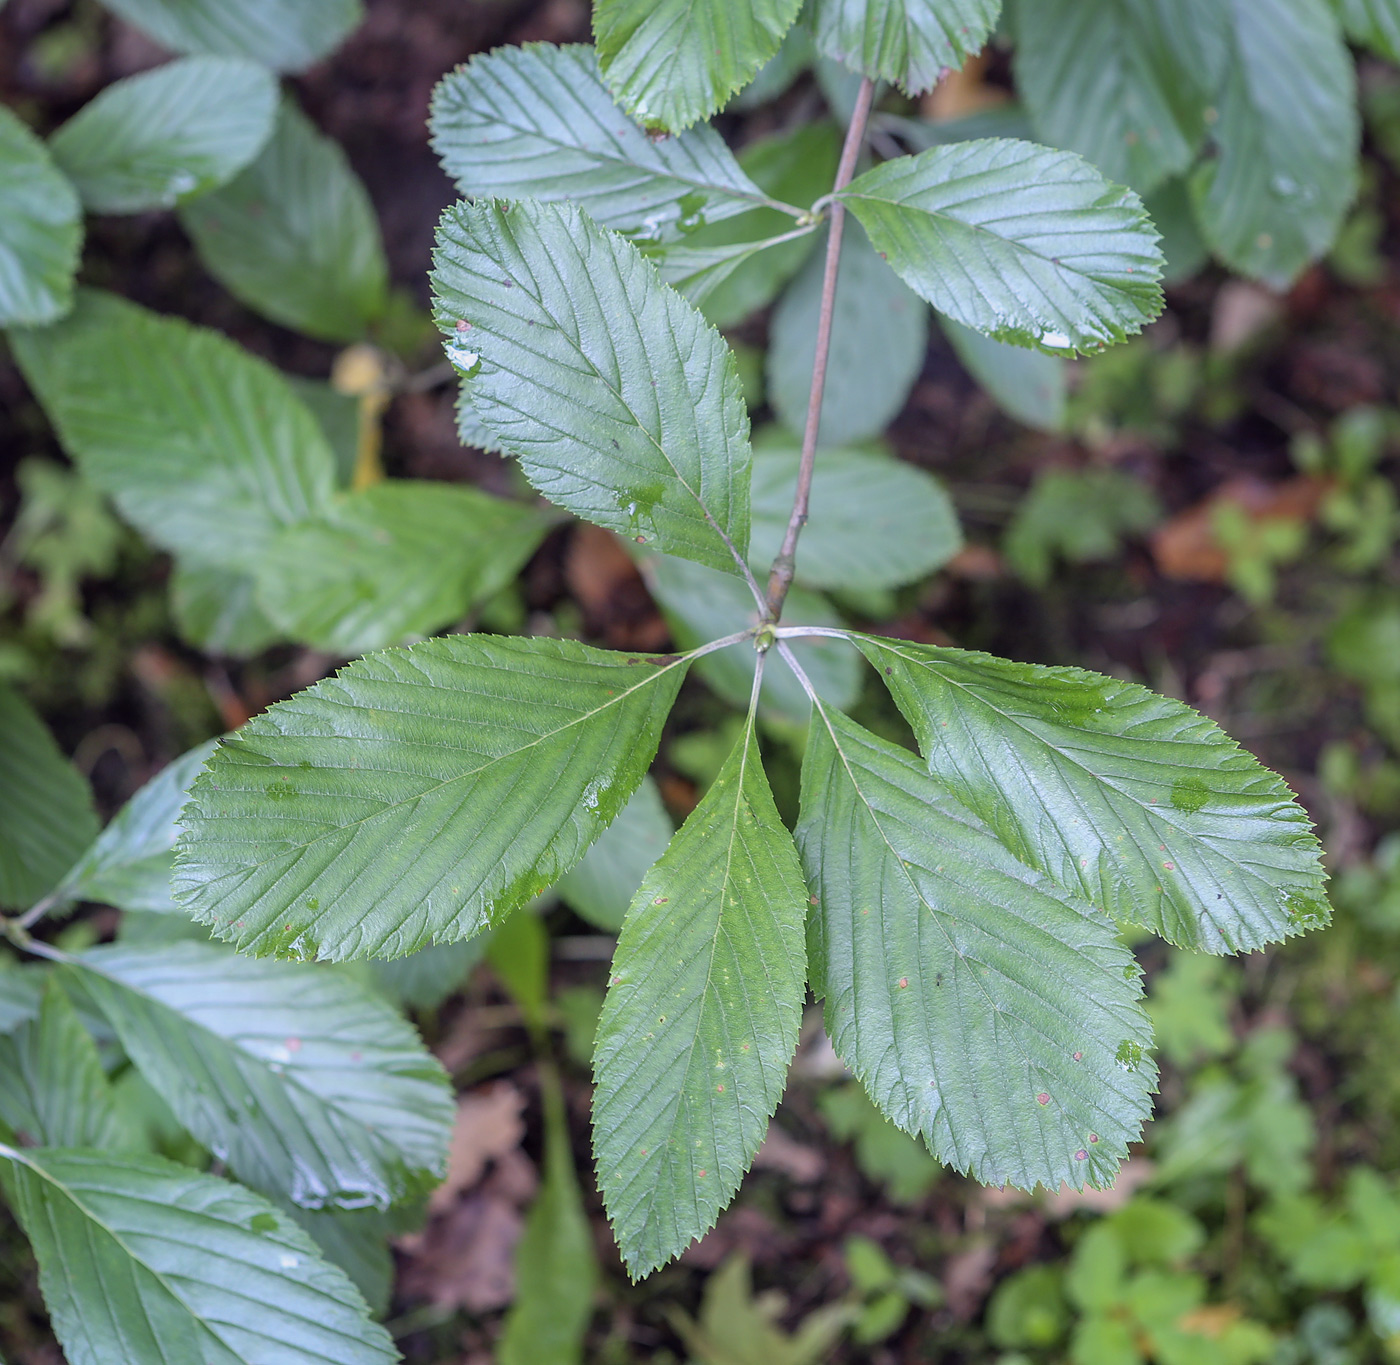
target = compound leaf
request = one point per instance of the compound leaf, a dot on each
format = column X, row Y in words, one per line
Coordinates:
column 1133, row 800
column 53, row 1091
column 150, row 140
column 41, row 229
column 46, row 813
column 978, row 1007
column 701, row 1017
column 537, row 122
column 1287, row 134
column 673, row 62
column 1127, row 84
column 876, row 522
column 907, row 42
column 201, row 445
column 309, row 1086
column 403, row 557
column 879, row 336
column 146, row 1261
column 496, row 760
column 282, row 36
column 1025, row 244
column 601, row 887
column 621, row 403
column 128, row 865
column 295, row 236
column 1372, row 23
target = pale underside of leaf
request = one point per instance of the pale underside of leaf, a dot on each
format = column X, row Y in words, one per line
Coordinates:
column 142, row 1260
column 1132, row 800
column 537, row 122
column 1028, row 245
column 701, row 1017
column 621, row 403
column 418, row 796
column 673, row 62
column 908, row 42
column 980, row 1007
column 311, row 1088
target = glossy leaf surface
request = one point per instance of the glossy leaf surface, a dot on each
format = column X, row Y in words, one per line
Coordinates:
column 286, row 37
column 537, row 122
column 309, row 1087
column 497, row 761
column 701, row 1017
column 151, row 140
column 403, row 557
column 671, row 63
column 41, row 229
column 295, row 236
column 621, row 403
column 1025, row 244
column 906, row 42
column 978, row 1006
column 46, row 814
column 201, row 445
column 150, row 1263
column 1130, row 799
column 1287, row 132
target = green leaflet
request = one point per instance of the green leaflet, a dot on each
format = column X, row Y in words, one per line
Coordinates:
column 21, row 992
column 555, row 1264
column 357, row 1240
column 310, row 1087
column 295, row 236
column 621, row 403
column 701, row 1017
column 878, row 339
column 53, row 1091
column 423, row 980
column 1127, row 84
column 601, row 887
column 215, row 610
column 41, row 229
column 128, row 864
column 201, row 445
column 1287, row 135
column 978, row 1007
column 1130, row 799
column 876, row 522
column 148, row 141
column 46, row 814
column 751, row 258
column 282, row 36
column 403, row 557
column 702, row 605
column 907, row 42
column 1025, row 244
column 673, row 62
column 497, row 760
column 1027, row 385
column 149, row 1263
column 1373, row 23
column 537, row 122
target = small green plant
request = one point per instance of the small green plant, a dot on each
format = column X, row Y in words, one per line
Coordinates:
column 957, row 908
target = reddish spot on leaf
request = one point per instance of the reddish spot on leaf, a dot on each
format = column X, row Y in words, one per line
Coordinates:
column 1080, row 1155
column 1093, row 1137
column 1078, row 1056
column 356, row 1056
column 1042, row 1098
column 904, row 983
column 293, row 1044
column 1171, row 867
column 702, row 1174
column 719, row 1089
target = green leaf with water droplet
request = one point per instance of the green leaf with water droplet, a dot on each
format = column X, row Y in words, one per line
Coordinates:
column 979, row 1005
column 1287, row 135
column 1025, row 244
column 673, row 62
column 701, row 1017
column 495, row 761
column 621, row 403
column 907, row 42
column 309, row 1086
column 190, row 1253
column 41, row 229
column 151, row 140
column 1128, row 798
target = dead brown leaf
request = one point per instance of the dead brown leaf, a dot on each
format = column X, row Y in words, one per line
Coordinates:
column 490, row 1123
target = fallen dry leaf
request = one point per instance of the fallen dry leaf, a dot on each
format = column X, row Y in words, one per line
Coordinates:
column 779, row 1152
column 490, row 1122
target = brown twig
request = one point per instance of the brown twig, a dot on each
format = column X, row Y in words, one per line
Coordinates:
column 780, row 576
